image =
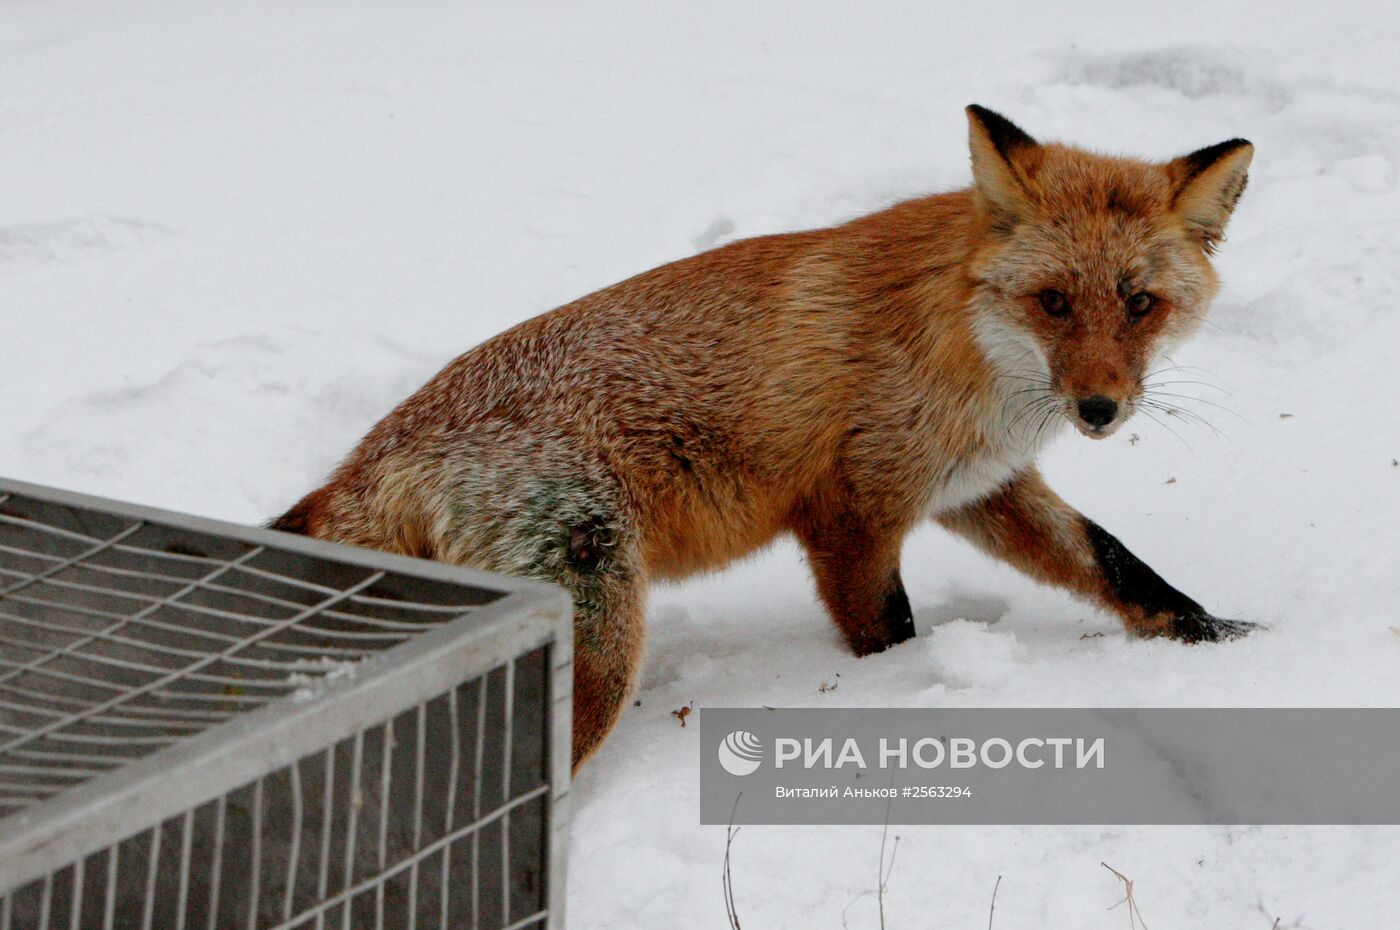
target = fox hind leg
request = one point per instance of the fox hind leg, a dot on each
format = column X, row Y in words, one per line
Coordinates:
column 599, row 568
column 571, row 528
column 609, row 634
column 581, row 539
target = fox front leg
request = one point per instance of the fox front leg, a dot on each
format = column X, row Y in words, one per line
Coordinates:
column 1028, row 525
column 856, row 564
column 1156, row 608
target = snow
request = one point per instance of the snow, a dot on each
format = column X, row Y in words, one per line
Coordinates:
column 233, row 235
column 313, row 676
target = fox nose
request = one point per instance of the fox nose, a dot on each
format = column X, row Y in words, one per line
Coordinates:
column 1098, row 411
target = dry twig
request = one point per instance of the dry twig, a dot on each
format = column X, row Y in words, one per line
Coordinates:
column 727, row 878
column 1134, row 915
column 884, row 872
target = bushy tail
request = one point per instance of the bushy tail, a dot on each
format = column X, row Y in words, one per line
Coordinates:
column 302, row 519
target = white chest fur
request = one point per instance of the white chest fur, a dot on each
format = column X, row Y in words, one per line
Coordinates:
column 1014, row 423
column 972, row 477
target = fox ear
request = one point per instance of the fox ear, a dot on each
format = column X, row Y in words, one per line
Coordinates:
column 1209, row 183
column 999, row 151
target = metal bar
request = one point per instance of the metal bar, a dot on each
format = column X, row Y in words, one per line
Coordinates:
column 323, row 883
column 285, row 541
column 385, row 771
column 9, row 768
column 291, row 581
column 30, row 554
column 478, row 754
column 46, row 901
column 216, row 868
column 112, row 762
column 294, row 857
column 166, row 599
column 203, row 632
column 75, row 907
column 106, row 721
column 384, row 622
column 182, row 898
column 62, row 676
column 54, row 531
column 352, row 821
column 455, row 610
column 441, row 844
column 255, row 870
column 418, row 769
column 56, row 698
column 454, row 728
column 85, row 554
column 292, row 665
column 561, row 683
column 505, row 789
column 109, row 903
column 182, row 673
column 526, row 921
column 148, row 905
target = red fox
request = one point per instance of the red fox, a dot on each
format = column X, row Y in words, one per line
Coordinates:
column 841, row 384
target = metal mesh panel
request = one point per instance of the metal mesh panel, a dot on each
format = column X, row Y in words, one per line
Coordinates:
column 360, row 794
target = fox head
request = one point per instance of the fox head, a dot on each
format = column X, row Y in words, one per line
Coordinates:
column 1087, row 267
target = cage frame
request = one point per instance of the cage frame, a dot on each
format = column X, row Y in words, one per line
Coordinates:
column 107, row 808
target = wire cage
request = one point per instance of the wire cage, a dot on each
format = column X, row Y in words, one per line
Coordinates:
column 206, row 726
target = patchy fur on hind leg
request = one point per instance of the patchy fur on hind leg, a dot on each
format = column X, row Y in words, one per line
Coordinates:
column 575, row 538
column 572, row 530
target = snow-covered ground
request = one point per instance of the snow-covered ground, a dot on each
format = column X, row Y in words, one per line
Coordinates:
column 234, row 234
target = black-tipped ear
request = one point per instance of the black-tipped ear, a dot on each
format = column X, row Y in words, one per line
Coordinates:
column 1004, row 135
column 1209, row 183
column 998, row 148
column 1201, row 159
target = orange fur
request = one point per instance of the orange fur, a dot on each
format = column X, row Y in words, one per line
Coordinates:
column 841, row 384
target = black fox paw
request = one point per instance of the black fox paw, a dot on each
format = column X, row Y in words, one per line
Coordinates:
column 1203, row 628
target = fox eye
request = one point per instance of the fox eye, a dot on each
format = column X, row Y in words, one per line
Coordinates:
column 1139, row 304
column 1054, row 303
